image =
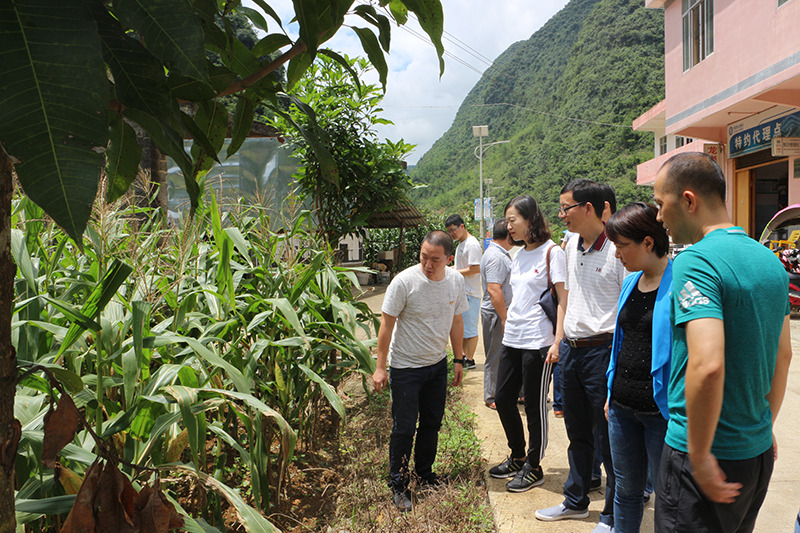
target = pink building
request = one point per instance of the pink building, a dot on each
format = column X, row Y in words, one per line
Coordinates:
column 732, row 72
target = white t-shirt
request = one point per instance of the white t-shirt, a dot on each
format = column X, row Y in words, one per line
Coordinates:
column 594, row 281
column 527, row 327
column 425, row 310
column 469, row 253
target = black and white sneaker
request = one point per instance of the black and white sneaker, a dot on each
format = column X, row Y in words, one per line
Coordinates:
column 402, row 501
column 506, row 469
column 469, row 363
column 526, row 479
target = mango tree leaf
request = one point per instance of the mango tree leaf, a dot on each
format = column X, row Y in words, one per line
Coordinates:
column 329, row 392
column 269, row 11
column 399, row 11
column 54, row 107
column 370, row 44
column 308, row 18
column 431, row 18
column 270, row 43
column 344, row 63
column 170, row 31
column 139, row 79
column 298, row 66
column 122, row 158
column 255, row 17
column 242, row 122
column 212, row 123
column 368, row 13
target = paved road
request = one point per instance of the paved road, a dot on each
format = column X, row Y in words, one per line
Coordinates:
column 514, row 512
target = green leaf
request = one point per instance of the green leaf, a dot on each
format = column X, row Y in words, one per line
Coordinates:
column 399, row 11
column 139, row 80
column 97, row 301
column 46, row 506
column 329, row 392
column 54, row 105
column 327, row 165
column 242, row 122
column 344, row 63
column 298, row 66
column 308, row 18
column 185, row 88
column 305, row 278
column 255, row 17
column 19, row 250
column 431, row 18
column 186, row 398
column 270, row 43
column 209, row 127
column 170, row 31
column 122, row 158
column 252, row 520
column 370, row 44
column 269, row 11
column 368, row 13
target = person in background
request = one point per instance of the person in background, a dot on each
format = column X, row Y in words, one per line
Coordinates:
column 468, row 264
column 425, row 302
column 530, row 343
column 495, row 275
column 638, row 373
column 731, row 351
column 594, row 280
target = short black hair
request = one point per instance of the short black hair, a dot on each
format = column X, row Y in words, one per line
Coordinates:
column 610, row 197
column 635, row 222
column 500, row 231
column 587, row 191
column 526, row 206
column 453, row 220
column 438, row 237
column 696, row 172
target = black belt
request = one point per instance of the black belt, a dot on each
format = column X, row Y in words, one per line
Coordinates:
column 586, row 342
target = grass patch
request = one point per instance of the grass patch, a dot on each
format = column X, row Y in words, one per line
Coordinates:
column 364, row 498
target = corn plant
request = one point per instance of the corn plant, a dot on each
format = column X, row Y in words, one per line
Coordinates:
column 222, row 332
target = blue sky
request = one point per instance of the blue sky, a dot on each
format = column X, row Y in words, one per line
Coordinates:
column 421, row 105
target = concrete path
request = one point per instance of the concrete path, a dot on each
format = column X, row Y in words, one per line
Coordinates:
column 514, row 512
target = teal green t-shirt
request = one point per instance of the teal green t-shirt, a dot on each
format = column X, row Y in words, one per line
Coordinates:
column 728, row 275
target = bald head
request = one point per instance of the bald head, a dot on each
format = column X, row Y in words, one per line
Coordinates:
column 696, row 172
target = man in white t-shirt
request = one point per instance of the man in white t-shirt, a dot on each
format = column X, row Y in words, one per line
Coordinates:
column 425, row 302
column 468, row 263
column 594, row 281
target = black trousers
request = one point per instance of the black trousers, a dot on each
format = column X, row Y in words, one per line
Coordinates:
column 682, row 507
column 524, row 368
column 416, row 392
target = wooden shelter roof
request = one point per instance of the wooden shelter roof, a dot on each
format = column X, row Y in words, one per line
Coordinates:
column 404, row 215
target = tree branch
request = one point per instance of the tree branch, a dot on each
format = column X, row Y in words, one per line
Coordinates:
column 298, row 48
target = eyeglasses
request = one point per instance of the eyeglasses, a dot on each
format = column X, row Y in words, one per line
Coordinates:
column 563, row 210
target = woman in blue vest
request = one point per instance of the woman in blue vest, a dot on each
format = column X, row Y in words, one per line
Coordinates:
column 638, row 373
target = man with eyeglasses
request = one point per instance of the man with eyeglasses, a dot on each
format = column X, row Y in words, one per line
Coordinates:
column 594, row 281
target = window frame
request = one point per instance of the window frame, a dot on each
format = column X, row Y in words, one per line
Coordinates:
column 697, row 21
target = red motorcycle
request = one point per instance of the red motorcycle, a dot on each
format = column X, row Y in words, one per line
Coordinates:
column 787, row 248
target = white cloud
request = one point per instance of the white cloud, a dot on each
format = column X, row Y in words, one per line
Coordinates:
column 421, row 105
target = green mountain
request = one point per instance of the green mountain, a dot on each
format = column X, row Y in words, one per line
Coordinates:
column 565, row 98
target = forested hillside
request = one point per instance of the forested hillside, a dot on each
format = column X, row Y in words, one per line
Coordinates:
column 600, row 61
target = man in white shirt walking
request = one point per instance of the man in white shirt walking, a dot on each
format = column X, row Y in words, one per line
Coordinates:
column 468, row 264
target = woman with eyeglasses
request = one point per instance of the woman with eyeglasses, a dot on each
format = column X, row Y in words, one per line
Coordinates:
column 530, row 343
column 638, row 372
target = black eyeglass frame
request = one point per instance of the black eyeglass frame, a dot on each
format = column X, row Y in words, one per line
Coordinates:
column 563, row 210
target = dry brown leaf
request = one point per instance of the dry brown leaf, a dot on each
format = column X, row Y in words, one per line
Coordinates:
column 176, row 446
column 115, row 502
column 68, row 479
column 157, row 514
column 59, row 429
column 81, row 516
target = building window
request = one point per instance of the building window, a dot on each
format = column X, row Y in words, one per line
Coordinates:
column 662, row 145
column 698, row 31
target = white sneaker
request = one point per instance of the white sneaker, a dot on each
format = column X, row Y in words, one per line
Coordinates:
column 560, row 512
column 603, row 528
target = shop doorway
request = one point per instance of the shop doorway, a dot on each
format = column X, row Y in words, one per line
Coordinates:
column 771, row 193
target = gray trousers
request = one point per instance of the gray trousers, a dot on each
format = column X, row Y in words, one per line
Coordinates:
column 492, row 329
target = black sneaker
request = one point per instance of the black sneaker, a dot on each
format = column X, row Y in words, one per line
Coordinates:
column 506, row 469
column 595, row 484
column 402, row 500
column 526, row 479
column 469, row 363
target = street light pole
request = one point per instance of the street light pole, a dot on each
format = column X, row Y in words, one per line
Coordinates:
column 480, row 132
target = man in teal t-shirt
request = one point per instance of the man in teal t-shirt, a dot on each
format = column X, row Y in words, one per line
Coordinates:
column 730, row 357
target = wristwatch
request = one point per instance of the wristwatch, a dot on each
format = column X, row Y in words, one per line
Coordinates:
column 459, row 361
